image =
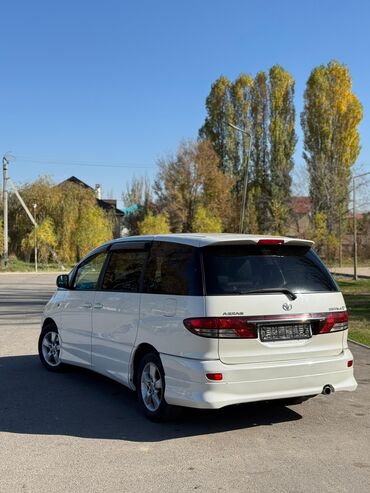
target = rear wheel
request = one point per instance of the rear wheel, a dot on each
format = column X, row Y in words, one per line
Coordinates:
column 49, row 349
column 150, row 386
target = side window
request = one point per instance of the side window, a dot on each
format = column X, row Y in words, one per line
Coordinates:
column 87, row 274
column 173, row 269
column 124, row 271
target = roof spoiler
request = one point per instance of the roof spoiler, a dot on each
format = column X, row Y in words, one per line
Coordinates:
column 255, row 241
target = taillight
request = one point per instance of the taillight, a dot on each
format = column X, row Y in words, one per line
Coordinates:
column 247, row 327
column 214, row 376
column 333, row 322
column 222, row 327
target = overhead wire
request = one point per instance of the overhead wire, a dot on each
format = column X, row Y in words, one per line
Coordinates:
column 96, row 164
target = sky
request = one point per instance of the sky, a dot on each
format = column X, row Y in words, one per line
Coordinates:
column 103, row 89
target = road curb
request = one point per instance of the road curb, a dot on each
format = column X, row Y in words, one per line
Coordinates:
column 342, row 274
column 359, row 344
column 33, row 273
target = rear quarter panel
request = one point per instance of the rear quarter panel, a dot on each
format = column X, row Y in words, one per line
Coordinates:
column 161, row 325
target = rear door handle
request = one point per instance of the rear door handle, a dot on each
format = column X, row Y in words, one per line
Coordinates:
column 87, row 305
column 98, row 306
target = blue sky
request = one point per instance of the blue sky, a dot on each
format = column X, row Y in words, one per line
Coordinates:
column 121, row 83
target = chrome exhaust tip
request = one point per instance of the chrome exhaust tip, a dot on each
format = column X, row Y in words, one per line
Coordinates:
column 327, row 389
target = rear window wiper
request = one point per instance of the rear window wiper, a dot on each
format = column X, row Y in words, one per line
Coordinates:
column 289, row 293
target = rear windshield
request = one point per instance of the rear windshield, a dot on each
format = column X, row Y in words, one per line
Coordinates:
column 237, row 269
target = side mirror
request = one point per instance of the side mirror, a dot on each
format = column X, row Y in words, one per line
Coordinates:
column 63, row 281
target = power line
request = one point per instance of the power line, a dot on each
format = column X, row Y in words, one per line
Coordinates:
column 95, row 164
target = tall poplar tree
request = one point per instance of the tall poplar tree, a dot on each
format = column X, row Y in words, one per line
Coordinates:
column 330, row 119
column 241, row 99
column 283, row 140
column 220, row 111
column 264, row 107
column 260, row 181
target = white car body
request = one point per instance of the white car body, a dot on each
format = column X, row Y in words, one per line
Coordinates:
column 103, row 330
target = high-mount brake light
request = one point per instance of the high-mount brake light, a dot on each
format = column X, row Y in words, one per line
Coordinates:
column 222, row 327
column 271, row 241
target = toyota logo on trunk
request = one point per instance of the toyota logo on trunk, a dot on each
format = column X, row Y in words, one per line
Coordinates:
column 287, row 307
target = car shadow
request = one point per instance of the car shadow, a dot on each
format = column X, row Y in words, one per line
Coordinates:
column 84, row 404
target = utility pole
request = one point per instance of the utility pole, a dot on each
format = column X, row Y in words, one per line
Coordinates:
column 354, row 232
column 35, row 229
column 246, row 171
column 5, row 207
column 355, row 276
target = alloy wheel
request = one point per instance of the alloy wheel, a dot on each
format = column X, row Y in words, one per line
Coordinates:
column 51, row 348
column 151, row 387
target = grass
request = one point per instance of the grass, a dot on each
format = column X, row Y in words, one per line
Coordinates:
column 348, row 262
column 357, row 298
column 15, row 265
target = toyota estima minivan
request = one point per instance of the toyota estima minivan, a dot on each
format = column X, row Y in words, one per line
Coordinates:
column 202, row 320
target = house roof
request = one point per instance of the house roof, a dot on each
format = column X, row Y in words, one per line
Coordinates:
column 76, row 181
column 107, row 205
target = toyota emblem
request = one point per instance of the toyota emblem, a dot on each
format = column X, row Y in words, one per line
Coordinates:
column 287, row 307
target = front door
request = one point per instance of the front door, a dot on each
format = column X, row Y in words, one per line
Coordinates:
column 116, row 310
column 76, row 312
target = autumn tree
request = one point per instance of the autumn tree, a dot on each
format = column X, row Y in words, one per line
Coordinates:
column 330, row 119
column 138, row 201
column 206, row 221
column 260, row 191
column 39, row 193
column 263, row 107
column 190, row 179
column 93, row 229
column 241, row 99
column 70, row 208
column 44, row 238
column 154, row 224
column 220, row 111
column 282, row 138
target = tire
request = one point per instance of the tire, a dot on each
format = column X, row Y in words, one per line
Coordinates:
column 49, row 349
column 150, row 387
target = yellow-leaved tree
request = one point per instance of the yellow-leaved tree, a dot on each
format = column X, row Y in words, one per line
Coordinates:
column 93, row 229
column 330, row 120
column 154, row 224
column 206, row 222
column 43, row 237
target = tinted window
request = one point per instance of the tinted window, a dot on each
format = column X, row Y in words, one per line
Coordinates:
column 237, row 269
column 173, row 269
column 88, row 272
column 124, row 271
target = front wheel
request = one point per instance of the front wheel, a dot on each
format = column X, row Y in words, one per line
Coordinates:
column 49, row 349
column 150, row 386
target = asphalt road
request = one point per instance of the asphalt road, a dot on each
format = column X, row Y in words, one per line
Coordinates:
column 79, row 432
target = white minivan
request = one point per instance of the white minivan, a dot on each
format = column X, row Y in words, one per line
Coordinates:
column 202, row 320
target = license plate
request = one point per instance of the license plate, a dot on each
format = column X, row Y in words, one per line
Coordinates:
column 286, row 332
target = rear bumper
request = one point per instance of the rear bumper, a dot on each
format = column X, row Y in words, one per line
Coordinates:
column 187, row 385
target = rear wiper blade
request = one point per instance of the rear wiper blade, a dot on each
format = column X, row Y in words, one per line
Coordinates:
column 289, row 293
